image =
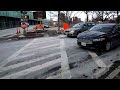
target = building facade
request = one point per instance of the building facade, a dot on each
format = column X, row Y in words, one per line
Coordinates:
column 11, row 19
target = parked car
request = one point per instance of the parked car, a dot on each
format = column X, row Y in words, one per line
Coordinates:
column 78, row 28
column 46, row 26
column 27, row 24
column 100, row 36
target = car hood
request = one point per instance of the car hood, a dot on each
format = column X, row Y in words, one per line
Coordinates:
column 70, row 29
column 90, row 34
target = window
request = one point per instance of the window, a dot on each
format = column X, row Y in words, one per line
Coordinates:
column 116, row 28
column 102, row 28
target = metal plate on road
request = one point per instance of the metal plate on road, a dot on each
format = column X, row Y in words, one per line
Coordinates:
column 83, row 43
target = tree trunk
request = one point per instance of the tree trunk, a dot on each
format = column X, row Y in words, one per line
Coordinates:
column 102, row 16
column 87, row 17
column 117, row 13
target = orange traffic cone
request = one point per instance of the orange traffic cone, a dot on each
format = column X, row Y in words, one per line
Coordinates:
column 17, row 31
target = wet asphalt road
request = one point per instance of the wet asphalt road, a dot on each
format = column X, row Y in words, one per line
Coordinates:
column 56, row 57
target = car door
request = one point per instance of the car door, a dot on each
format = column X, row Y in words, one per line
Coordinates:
column 115, row 36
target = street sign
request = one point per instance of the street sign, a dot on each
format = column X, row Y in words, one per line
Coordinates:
column 24, row 26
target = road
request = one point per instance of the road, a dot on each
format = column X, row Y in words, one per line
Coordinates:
column 56, row 57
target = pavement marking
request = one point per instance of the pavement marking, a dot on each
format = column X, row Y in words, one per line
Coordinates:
column 23, row 56
column 17, row 53
column 33, row 51
column 44, row 47
column 66, row 74
column 62, row 36
column 30, row 70
column 55, row 77
column 28, row 62
column 114, row 73
column 44, row 41
column 99, row 62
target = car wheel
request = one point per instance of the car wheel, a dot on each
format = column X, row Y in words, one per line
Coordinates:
column 79, row 44
column 108, row 46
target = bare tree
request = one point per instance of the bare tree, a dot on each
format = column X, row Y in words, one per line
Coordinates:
column 103, row 15
column 68, row 15
column 87, row 15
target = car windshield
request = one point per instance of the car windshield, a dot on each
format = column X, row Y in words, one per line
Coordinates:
column 77, row 25
column 102, row 28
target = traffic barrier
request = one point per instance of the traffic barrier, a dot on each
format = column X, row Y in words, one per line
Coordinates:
column 65, row 26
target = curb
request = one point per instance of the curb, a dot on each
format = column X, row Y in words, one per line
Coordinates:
column 20, row 37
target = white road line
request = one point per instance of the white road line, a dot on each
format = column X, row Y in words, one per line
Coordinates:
column 66, row 74
column 46, row 39
column 99, row 62
column 23, row 56
column 114, row 73
column 35, row 51
column 17, row 53
column 39, row 42
column 38, row 48
column 28, row 62
column 30, row 70
column 55, row 77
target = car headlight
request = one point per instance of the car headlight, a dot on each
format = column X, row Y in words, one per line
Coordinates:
column 100, row 39
column 71, row 31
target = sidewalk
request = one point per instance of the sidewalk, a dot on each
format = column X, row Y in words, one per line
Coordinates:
column 12, row 31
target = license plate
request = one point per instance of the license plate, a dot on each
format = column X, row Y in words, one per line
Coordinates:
column 83, row 44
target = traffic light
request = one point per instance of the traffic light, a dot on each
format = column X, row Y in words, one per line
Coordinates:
column 26, row 17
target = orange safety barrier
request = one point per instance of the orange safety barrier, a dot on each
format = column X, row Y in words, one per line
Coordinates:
column 65, row 26
column 39, row 26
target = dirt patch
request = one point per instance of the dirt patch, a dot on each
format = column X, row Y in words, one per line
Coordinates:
column 52, row 33
column 77, row 64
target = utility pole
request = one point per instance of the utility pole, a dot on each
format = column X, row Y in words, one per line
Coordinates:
column 24, row 13
column 117, row 13
column 58, row 20
column 102, row 16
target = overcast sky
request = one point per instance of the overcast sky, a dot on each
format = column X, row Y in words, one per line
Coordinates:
column 82, row 16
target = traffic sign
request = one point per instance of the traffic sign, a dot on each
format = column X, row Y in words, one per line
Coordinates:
column 24, row 26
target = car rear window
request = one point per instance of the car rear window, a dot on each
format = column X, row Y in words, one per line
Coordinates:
column 102, row 28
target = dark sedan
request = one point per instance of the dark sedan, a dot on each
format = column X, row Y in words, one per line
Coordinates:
column 101, row 36
column 78, row 28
